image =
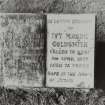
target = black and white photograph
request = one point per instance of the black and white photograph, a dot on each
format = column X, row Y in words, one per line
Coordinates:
column 52, row 52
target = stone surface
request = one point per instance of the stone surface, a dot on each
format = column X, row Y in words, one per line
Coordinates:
column 67, row 6
column 60, row 6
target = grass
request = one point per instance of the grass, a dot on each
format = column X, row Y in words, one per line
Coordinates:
column 51, row 96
